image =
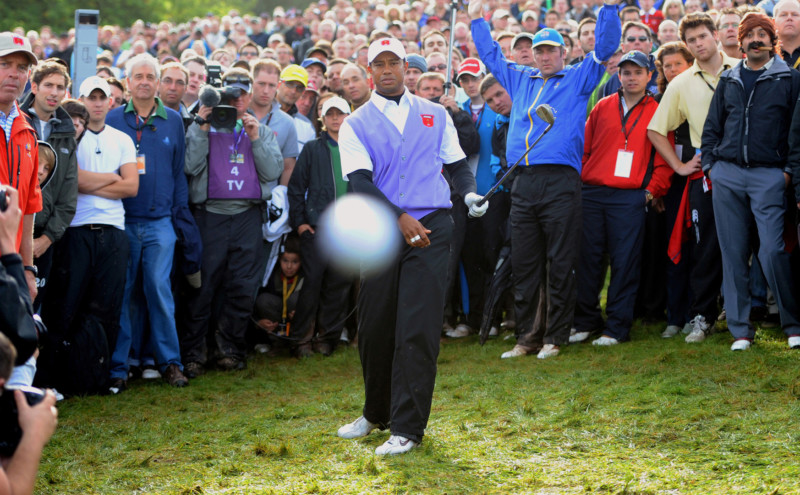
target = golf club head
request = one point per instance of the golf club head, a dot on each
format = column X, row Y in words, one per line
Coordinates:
column 545, row 112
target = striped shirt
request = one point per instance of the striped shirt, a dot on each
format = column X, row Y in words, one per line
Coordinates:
column 7, row 121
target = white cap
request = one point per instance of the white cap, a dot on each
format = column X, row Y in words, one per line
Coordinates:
column 95, row 82
column 336, row 102
column 385, row 45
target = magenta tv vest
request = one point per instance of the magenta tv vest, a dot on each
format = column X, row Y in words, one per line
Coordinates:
column 407, row 167
column 231, row 168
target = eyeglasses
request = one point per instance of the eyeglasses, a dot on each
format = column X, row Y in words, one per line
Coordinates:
column 730, row 25
column 169, row 81
column 631, row 39
column 432, row 68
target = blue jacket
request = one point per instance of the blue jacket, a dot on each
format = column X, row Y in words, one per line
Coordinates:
column 567, row 92
column 163, row 186
column 484, row 177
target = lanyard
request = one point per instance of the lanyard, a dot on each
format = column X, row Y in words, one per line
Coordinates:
column 139, row 128
column 796, row 63
column 707, row 83
column 286, row 293
column 238, row 137
column 624, row 118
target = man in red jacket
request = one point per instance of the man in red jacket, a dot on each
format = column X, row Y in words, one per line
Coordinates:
column 621, row 174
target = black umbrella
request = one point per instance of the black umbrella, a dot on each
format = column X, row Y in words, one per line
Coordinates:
column 502, row 280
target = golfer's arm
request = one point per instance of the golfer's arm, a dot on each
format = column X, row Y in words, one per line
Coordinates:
column 361, row 182
column 461, row 177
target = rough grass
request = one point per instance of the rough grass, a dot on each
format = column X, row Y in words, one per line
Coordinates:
column 649, row 416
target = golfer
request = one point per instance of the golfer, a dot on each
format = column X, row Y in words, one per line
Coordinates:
column 393, row 148
column 546, row 196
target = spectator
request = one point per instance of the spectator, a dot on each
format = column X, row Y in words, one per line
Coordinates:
column 355, row 85
column 687, row 99
column 53, row 125
column 544, row 214
column 745, row 155
column 728, row 29
column 522, row 49
column 333, row 76
column 17, row 59
column 88, row 275
column 621, row 174
column 79, row 115
column 158, row 133
column 320, row 314
column 787, row 24
column 117, row 92
column 294, row 80
column 651, row 17
column 229, row 219
column 276, row 302
column 316, row 71
column 172, row 88
column 667, row 32
column 196, row 66
column 635, row 36
column 266, row 76
column 416, row 67
column 672, row 10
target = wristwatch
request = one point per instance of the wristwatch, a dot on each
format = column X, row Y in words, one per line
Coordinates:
column 32, row 269
column 648, row 195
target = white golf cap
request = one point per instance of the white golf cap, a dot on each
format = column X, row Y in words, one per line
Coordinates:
column 385, row 45
column 336, row 102
column 13, row 43
column 95, row 82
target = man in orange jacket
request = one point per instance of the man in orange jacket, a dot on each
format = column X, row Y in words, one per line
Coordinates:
column 19, row 160
column 621, row 174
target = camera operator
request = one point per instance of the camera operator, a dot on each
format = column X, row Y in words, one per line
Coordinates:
column 39, row 422
column 232, row 167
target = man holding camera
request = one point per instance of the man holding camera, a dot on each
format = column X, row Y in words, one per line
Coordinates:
column 230, row 171
column 20, row 162
column 38, row 422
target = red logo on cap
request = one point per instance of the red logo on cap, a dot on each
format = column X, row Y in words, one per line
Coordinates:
column 18, row 41
column 427, row 120
column 385, row 42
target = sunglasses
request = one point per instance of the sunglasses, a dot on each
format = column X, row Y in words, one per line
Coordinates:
column 631, row 39
column 432, row 68
column 237, row 79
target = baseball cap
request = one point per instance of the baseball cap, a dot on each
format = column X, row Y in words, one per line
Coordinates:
column 379, row 46
column 335, row 102
column 471, row 66
column 312, row 86
column 316, row 49
column 276, row 37
column 519, row 36
column 417, row 62
column 548, row 36
column 311, row 61
column 94, row 82
column 295, row 73
column 500, row 13
column 431, row 19
column 635, row 57
column 13, row 43
column 237, row 81
column 528, row 14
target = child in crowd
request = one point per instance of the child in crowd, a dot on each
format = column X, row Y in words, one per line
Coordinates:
column 79, row 114
column 275, row 303
column 47, row 162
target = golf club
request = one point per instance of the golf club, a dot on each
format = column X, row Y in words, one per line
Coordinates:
column 544, row 112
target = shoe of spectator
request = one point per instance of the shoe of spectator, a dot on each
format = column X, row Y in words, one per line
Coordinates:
column 193, row 370
column 794, row 342
column 740, row 345
column 508, row 325
column 134, row 372
column 229, row 363
column 357, row 429
column 149, row 372
column 699, row 330
column 261, row 348
column 722, row 316
column 175, row 377
column 575, row 336
column 671, row 331
column 548, row 351
column 758, row 313
column 446, row 328
column 605, row 341
column 396, row 445
column 517, row 351
column 493, row 332
column 117, row 386
column 303, row 351
column 687, row 329
column 460, row 331
column 344, row 337
column 323, row 348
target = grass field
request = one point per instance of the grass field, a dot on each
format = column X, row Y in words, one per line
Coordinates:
column 648, row 416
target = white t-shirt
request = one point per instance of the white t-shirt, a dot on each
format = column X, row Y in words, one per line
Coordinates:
column 305, row 131
column 103, row 152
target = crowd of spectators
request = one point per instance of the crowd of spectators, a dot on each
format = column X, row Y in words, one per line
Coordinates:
column 160, row 241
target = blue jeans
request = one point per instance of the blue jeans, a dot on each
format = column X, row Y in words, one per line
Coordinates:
column 152, row 246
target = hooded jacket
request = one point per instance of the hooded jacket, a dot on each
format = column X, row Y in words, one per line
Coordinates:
column 750, row 130
column 60, row 191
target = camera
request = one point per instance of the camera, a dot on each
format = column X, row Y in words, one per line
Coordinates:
column 223, row 115
column 214, row 75
column 10, row 432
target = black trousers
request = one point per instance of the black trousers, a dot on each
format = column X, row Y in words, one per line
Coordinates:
column 706, row 267
column 322, row 304
column 400, row 315
column 233, row 266
column 545, row 227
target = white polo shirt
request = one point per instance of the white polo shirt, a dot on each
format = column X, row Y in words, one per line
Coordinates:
column 103, row 152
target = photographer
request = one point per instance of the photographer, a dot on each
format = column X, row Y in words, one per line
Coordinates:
column 232, row 167
column 39, row 422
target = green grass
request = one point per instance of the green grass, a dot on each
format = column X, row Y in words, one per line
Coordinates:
column 649, row 416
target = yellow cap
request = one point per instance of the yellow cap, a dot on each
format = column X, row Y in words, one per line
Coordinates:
column 295, row 73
